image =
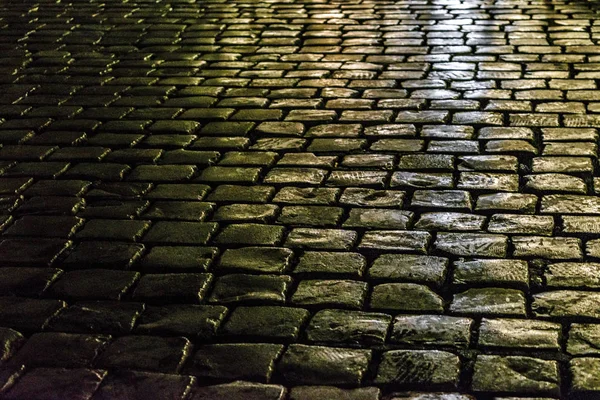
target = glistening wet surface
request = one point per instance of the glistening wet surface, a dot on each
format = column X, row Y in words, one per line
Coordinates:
column 299, row 200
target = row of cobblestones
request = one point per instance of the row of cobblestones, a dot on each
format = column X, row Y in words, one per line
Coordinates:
column 299, row 199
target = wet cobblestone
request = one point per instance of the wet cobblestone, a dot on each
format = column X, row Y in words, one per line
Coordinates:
column 298, row 200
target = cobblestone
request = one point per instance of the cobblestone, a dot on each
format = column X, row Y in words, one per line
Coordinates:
column 297, row 200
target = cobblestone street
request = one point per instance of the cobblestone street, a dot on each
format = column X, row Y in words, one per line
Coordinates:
column 299, row 200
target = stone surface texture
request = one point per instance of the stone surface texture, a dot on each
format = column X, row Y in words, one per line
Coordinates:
column 299, row 199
